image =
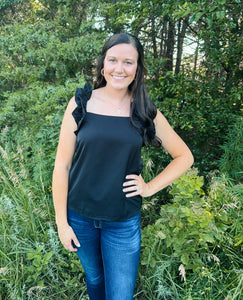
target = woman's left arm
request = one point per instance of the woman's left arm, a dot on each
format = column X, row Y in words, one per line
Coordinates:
column 182, row 160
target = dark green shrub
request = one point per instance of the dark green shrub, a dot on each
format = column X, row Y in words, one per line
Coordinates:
column 198, row 113
column 231, row 161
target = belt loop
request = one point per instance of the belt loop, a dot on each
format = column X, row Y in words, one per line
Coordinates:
column 97, row 224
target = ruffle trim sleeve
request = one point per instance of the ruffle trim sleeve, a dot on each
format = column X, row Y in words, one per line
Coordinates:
column 82, row 96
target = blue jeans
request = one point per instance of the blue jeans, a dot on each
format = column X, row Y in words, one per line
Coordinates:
column 109, row 254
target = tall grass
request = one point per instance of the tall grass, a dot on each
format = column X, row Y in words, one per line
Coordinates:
column 33, row 264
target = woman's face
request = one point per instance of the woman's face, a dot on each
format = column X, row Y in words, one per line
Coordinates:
column 120, row 66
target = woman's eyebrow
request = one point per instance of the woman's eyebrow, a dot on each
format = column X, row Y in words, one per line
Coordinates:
column 112, row 56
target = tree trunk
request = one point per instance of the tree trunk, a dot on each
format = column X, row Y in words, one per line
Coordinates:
column 170, row 46
column 196, row 58
column 162, row 37
column 180, row 40
column 153, row 32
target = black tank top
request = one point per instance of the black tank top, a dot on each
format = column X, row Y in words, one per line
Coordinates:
column 108, row 148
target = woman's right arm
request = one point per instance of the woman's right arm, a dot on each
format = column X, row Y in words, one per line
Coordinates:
column 63, row 162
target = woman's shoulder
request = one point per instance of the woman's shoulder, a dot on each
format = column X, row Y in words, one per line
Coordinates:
column 72, row 104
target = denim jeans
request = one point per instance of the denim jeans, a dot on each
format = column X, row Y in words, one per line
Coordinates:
column 109, row 254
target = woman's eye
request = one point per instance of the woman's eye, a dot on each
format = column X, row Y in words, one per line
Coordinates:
column 111, row 60
column 128, row 63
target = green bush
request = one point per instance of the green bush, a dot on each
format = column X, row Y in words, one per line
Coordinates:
column 200, row 233
column 199, row 112
column 231, row 161
column 35, row 126
column 33, row 53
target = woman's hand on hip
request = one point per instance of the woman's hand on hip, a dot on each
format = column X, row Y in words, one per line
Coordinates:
column 68, row 238
column 135, row 185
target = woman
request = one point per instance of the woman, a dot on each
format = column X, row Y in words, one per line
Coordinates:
column 97, row 182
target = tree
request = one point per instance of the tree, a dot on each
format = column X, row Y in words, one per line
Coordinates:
column 16, row 10
column 220, row 30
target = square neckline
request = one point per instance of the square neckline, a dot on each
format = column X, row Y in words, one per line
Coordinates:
column 103, row 115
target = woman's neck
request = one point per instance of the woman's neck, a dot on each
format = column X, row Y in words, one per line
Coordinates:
column 116, row 95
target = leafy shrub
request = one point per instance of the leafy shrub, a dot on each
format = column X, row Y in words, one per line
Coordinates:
column 198, row 113
column 198, row 231
column 32, row 53
column 35, row 126
column 231, row 161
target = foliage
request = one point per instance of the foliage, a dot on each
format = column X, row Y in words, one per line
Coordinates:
column 200, row 233
column 39, row 120
column 192, row 232
column 6, row 3
column 36, row 53
column 231, row 161
column 33, row 262
column 200, row 115
column 220, row 28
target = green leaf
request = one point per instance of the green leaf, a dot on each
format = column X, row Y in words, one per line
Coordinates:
column 39, row 249
column 209, row 21
column 220, row 14
column 197, row 16
column 207, row 238
column 185, row 259
column 47, row 256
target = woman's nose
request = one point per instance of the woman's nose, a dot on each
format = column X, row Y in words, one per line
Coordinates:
column 119, row 68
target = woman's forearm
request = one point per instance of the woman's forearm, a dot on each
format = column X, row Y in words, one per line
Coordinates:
column 174, row 170
column 60, row 191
